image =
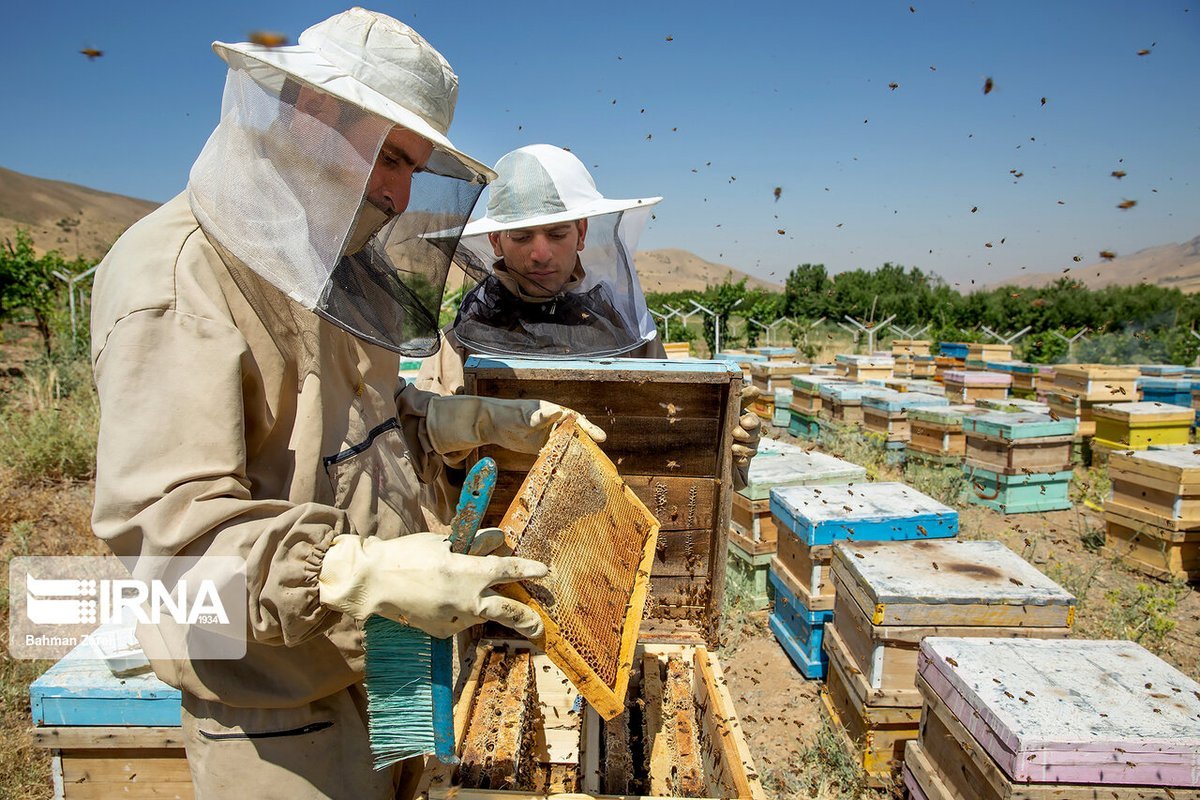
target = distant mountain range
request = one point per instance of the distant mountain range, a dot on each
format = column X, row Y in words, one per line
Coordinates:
column 76, row 220
column 1174, row 266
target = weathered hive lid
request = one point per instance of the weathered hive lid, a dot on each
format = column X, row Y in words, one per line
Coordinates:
column 782, row 464
column 1073, row 712
column 1012, row 405
column 928, row 582
column 1000, row 366
column 1161, row 369
column 1021, row 425
column 1176, row 459
column 1163, row 412
column 866, row 511
column 766, row 369
column 811, row 384
column 977, row 378
column 612, row 368
column 1097, row 371
column 950, row 415
column 873, row 360
column 850, row 392
column 904, row 401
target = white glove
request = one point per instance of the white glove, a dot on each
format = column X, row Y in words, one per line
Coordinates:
column 459, row 424
column 417, row 581
column 745, row 438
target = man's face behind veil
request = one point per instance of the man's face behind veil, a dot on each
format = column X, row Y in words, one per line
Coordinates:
column 541, row 259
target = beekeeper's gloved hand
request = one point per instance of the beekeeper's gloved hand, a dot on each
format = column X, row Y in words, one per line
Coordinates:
column 458, row 424
column 745, row 438
column 416, row 580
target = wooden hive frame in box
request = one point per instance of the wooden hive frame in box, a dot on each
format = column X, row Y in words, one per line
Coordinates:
column 575, row 513
column 670, row 427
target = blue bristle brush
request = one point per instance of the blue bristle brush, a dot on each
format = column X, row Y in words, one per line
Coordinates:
column 410, row 710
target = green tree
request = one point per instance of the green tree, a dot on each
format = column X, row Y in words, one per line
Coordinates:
column 721, row 300
column 28, row 282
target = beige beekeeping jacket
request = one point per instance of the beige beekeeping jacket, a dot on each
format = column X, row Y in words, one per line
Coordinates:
column 220, row 398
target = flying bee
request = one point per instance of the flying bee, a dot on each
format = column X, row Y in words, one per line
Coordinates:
column 988, row 85
column 1125, row 205
column 268, row 38
column 91, row 53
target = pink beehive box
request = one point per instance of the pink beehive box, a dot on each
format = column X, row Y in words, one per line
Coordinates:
column 1056, row 715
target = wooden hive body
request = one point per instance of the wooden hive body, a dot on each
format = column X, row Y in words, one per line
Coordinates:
column 911, row 347
column 1166, row 390
column 967, row 386
column 1035, row 719
column 1138, row 425
column 938, row 432
column 798, row 627
column 1022, row 493
column 806, row 392
column 669, row 427
column 1096, row 383
column 1160, row 487
column 772, row 374
column 1018, row 444
column 888, row 414
column 109, row 736
column 890, row 595
column 982, row 351
column 842, row 402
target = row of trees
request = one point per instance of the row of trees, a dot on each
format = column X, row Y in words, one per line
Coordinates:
column 1125, row 323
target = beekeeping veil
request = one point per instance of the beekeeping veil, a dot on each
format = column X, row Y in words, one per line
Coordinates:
column 281, row 183
column 601, row 311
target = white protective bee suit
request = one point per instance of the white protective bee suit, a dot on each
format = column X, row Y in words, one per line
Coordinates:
column 246, row 341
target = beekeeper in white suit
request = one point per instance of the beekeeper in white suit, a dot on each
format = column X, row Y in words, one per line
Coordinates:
column 246, row 339
column 555, row 263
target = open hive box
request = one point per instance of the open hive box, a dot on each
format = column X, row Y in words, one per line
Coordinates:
column 521, row 727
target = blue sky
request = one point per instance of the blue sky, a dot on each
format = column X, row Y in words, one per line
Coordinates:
column 743, row 98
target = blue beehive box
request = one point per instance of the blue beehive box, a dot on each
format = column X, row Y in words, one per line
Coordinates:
column 1018, row 494
column 1014, row 426
column 81, row 690
column 799, row 631
column 953, row 350
column 1169, row 391
column 1162, row 370
column 820, row 515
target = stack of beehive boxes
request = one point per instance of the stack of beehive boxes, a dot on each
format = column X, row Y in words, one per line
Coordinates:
column 753, row 534
column 891, row 595
column 951, row 355
column 979, row 353
column 841, row 403
column 969, row 386
column 810, row 519
column 1018, row 463
column 1153, row 513
column 1025, row 377
column 1138, row 426
column 865, row 368
column 924, row 367
column 1174, row 390
column 936, row 434
column 1040, row 720
column 904, row 351
column 1077, row 388
column 885, row 418
column 805, row 409
column 773, row 381
column 916, row 385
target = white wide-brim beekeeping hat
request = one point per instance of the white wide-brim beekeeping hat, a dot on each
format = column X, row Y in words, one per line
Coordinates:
column 541, row 184
column 371, row 61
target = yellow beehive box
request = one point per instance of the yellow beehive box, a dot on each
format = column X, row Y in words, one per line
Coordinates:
column 1138, row 425
column 910, row 347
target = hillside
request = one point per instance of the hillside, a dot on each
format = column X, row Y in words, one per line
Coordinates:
column 1170, row 265
column 74, row 220
column 673, row 270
